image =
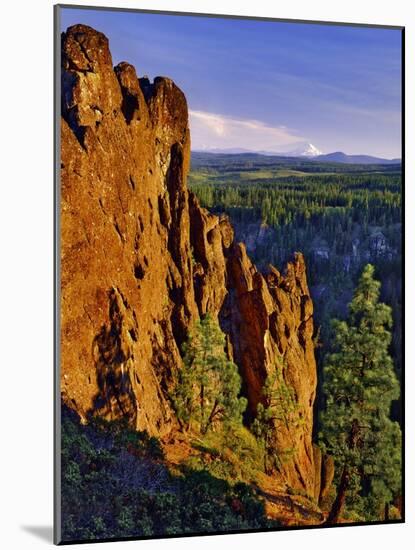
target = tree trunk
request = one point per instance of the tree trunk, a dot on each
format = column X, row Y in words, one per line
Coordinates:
column 338, row 503
column 212, row 415
column 202, row 408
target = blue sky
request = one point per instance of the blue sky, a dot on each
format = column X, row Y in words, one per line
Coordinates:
column 265, row 85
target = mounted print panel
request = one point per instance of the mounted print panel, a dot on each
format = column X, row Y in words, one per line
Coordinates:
column 229, row 352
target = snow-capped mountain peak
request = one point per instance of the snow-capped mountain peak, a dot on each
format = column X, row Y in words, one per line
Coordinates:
column 311, row 151
column 306, row 150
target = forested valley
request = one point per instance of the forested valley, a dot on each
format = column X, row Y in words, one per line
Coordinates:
column 340, row 216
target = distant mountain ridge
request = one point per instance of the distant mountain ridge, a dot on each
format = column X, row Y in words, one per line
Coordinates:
column 302, row 150
column 338, row 156
column 310, row 152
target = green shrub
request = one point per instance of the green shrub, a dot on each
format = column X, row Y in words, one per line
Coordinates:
column 114, row 484
column 232, row 454
column 206, row 394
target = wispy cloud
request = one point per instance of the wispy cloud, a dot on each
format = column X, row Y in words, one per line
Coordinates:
column 212, row 130
column 338, row 87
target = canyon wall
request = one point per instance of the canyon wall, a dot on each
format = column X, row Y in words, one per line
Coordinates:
column 141, row 261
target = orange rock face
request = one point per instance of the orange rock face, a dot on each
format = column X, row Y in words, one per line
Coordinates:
column 141, row 260
column 269, row 319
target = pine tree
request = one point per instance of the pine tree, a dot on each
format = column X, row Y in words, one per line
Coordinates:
column 279, row 410
column 360, row 385
column 209, row 383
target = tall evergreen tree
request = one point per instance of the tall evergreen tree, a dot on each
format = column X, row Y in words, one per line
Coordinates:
column 207, row 393
column 360, row 385
column 278, row 411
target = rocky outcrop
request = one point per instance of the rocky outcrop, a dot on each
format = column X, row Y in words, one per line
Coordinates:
column 269, row 319
column 126, row 285
column 141, row 261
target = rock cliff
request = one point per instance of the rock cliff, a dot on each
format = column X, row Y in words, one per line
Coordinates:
column 141, row 260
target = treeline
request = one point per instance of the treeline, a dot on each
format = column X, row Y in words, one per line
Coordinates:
column 317, row 200
column 339, row 221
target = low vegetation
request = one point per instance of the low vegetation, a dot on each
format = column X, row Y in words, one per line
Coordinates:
column 116, row 484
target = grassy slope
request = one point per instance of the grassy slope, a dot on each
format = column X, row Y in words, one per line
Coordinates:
column 121, row 483
column 236, row 457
